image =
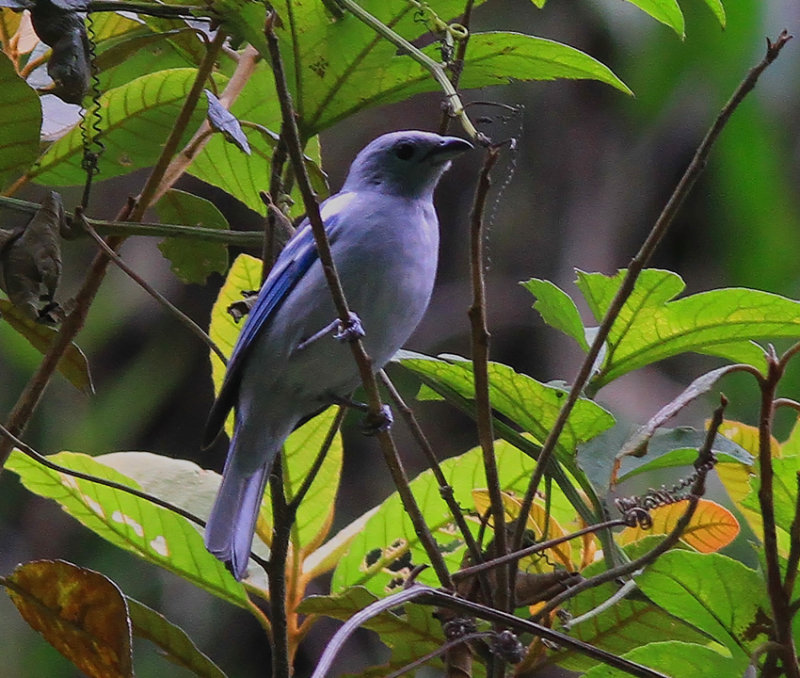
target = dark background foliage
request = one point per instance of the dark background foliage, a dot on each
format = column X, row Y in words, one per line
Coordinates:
column 590, row 173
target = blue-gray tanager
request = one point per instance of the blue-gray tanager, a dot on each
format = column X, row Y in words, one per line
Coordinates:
column 384, row 238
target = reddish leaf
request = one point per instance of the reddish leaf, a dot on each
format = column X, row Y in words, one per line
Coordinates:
column 81, row 613
column 712, row 527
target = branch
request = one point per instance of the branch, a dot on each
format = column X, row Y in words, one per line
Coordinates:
column 638, row 263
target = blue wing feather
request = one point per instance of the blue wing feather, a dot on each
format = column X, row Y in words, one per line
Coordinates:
column 292, row 264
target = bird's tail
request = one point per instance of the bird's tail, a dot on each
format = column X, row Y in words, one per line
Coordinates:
column 230, row 527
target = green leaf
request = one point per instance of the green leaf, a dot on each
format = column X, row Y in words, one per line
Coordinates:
column 533, row 406
column 622, row 627
column 714, row 593
column 388, row 542
column 20, row 120
column 411, row 632
column 244, row 275
column 192, row 260
column 784, row 490
column 668, row 12
column 172, row 639
column 652, row 325
column 136, row 525
column 676, row 659
column 315, row 513
column 338, row 67
column 137, row 118
column 557, row 309
column 73, row 364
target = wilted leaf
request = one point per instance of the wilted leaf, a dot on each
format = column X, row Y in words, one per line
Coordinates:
column 223, row 121
column 30, row 262
column 81, row 613
column 73, row 364
column 711, row 528
column 171, row 639
column 20, row 119
column 192, row 260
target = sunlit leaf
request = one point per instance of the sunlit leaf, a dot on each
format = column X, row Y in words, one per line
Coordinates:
column 244, row 275
column 711, row 528
column 675, row 658
column 170, row 639
column 192, row 260
column 747, row 436
column 136, row 525
column 73, row 364
column 557, row 309
column 652, row 325
column 717, row 594
column 20, row 119
column 315, row 513
column 81, row 613
column 136, row 120
column 387, row 546
column 668, row 12
column 531, row 405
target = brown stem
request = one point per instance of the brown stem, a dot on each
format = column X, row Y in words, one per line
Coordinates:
column 638, row 263
column 779, row 602
column 480, row 358
column 282, row 519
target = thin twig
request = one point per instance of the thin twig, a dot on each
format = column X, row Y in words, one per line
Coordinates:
column 480, row 338
column 282, row 520
column 173, row 310
column 363, row 361
column 458, row 62
column 638, row 263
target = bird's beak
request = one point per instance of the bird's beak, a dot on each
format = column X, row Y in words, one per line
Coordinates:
column 448, row 148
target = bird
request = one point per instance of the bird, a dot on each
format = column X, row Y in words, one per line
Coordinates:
column 291, row 359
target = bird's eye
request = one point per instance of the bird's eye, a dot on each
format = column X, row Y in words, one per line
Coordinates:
column 404, row 151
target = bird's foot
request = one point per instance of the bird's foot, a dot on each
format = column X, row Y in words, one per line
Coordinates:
column 373, row 423
column 350, row 331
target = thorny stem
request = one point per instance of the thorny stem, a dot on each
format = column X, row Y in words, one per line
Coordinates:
column 781, row 615
column 391, row 456
column 480, row 359
column 636, row 265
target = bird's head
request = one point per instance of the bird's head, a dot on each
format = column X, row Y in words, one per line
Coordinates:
column 407, row 163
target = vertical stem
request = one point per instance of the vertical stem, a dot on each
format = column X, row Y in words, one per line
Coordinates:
column 282, row 519
column 781, row 614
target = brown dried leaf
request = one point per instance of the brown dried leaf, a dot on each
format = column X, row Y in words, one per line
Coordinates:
column 81, row 613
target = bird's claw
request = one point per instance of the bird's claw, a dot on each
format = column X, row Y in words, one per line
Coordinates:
column 373, row 423
column 350, row 331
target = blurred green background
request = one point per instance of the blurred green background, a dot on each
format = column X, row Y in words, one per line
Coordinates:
column 590, row 174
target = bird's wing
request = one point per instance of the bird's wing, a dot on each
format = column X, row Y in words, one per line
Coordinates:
column 292, row 264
